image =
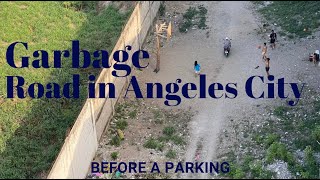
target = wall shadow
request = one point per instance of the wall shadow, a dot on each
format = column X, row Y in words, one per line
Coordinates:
column 33, row 148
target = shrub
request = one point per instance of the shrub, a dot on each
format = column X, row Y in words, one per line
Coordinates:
column 152, row 143
column 178, row 140
column 316, row 133
column 114, row 155
column 276, row 151
column 133, row 114
column 122, row 124
column 312, row 169
column 171, row 154
column 162, row 9
column 169, row 131
column 271, row 138
column 115, row 141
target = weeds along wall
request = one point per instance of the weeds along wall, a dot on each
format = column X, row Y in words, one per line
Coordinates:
column 81, row 144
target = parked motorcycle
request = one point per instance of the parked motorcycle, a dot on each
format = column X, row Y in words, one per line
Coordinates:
column 227, row 46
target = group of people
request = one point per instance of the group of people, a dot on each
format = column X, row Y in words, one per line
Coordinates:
column 273, row 38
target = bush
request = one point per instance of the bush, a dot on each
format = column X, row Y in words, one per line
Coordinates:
column 236, row 172
column 312, row 168
column 193, row 13
column 122, row 124
column 162, row 9
column 133, row 114
column 169, row 131
column 153, row 144
column 115, row 141
column 271, row 138
column 278, row 151
column 178, row 140
column 171, row 154
column 259, row 172
column 247, row 161
column 281, row 111
column 316, row 133
column 114, row 155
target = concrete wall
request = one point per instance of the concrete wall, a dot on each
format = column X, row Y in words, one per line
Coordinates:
column 81, row 144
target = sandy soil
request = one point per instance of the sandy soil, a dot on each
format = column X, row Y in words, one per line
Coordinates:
column 238, row 21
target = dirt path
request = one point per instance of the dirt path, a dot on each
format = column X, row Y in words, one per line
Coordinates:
column 235, row 20
column 231, row 19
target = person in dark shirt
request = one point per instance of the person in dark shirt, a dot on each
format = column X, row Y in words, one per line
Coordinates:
column 273, row 38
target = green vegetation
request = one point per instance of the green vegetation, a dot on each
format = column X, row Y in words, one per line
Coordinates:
column 171, row 154
column 312, row 168
column 114, row 155
column 157, row 114
column 33, row 130
column 170, row 135
column 169, row 131
column 194, row 16
column 270, row 139
column 248, row 168
column 297, row 17
column 122, row 124
column 162, row 9
column 115, row 141
column 152, row 143
column 279, row 151
column 133, row 114
column 279, row 138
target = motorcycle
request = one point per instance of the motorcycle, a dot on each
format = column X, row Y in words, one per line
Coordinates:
column 227, row 47
column 226, row 52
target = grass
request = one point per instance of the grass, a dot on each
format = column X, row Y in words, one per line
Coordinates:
column 121, row 124
column 33, row 130
column 312, row 167
column 157, row 114
column 169, row 134
column 294, row 128
column 115, row 141
column 270, row 139
column 249, row 168
column 171, row 154
column 297, row 17
column 168, row 131
column 194, row 16
column 114, row 155
column 278, row 151
column 162, row 9
column 152, row 143
column 133, row 114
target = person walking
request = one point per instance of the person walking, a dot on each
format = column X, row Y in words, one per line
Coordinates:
column 197, row 68
column 273, row 38
column 267, row 62
column 264, row 51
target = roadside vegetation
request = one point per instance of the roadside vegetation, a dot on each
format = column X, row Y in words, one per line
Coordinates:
column 298, row 18
column 290, row 135
column 194, row 17
column 32, row 131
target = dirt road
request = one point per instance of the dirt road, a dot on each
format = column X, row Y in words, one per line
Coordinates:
column 235, row 20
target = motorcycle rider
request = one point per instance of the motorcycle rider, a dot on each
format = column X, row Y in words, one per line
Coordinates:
column 227, row 44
